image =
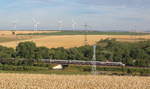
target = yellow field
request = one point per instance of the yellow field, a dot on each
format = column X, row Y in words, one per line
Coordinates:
column 39, row 81
column 2, row 33
column 67, row 41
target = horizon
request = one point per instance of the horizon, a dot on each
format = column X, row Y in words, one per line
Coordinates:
column 146, row 31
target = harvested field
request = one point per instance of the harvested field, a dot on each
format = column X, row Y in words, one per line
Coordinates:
column 69, row 41
column 39, row 81
column 3, row 33
column 14, row 38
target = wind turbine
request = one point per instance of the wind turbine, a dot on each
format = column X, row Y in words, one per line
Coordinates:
column 14, row 23
column 60, row 24
column 73, row 25
column 36, row 24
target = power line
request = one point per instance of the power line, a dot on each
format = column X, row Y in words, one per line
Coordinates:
column 94, row 60
column 85, row 35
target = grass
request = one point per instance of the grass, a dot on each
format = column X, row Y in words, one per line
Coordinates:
column 37, row 70
column 88, row 33
column 58, row 72
column 74, row 69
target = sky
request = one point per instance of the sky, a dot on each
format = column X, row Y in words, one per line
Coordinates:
column 73, row 14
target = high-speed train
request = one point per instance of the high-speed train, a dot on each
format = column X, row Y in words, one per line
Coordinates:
column 78, row 62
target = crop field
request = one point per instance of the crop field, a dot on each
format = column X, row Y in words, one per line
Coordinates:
column 85, row 32
column 63, row 40
column 67, row 41
column 6, row 32
column 8, row 36
column 41, row 81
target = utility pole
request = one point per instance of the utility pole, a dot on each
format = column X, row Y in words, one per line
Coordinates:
column 85, row 35
column 94, row 60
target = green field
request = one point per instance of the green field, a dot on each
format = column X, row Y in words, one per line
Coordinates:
column 74, row 69
column 88, row 33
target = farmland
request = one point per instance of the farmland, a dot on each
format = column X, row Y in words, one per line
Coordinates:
column 9, row 36
column 54, row 39
column 41, row 81
column 27, row 74
column 6, row 32
column 83, row 32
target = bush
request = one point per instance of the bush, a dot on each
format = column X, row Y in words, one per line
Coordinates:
column 129, row 71
column 41, row 64
column 20, row 68
column 145, row 72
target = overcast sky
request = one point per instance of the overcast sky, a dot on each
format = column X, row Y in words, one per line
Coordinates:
column 98, row 14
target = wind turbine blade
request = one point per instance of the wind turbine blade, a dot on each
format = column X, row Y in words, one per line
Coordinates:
column 14, row 24
column 33, row 19
column 60, row 22
column 73, row 24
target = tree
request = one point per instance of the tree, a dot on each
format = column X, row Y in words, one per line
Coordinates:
column 26, row 50
column 147, row 50
column 6, row 52
column 42, row 53
column 105, row 55
column 87, row 52
column 74, row 54
column 60, row 53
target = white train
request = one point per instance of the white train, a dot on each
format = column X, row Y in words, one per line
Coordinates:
column 82, row 62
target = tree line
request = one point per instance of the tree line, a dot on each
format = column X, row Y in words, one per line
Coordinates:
column 132, row 54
